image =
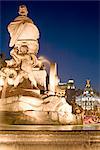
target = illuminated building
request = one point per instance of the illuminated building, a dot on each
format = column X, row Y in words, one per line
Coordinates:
column 88, row 100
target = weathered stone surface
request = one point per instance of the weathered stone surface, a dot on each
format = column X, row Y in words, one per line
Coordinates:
column 51, row 110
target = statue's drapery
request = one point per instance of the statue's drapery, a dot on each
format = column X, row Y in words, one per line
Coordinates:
column 22, row 28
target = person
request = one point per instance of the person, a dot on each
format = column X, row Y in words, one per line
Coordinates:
column 23, row 31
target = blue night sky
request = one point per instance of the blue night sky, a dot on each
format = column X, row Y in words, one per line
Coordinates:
column 69, row 36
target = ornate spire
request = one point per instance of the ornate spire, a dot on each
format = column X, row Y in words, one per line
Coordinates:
column 88, row 89
column 88, row 83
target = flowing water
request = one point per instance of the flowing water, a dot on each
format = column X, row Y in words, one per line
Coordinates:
column 49, row 137
column 46, row 147
column 4, row 90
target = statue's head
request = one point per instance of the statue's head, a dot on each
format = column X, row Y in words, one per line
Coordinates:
column 23, row 49
column 23, row 10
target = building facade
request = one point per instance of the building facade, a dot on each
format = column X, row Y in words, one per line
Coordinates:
column 88, row 100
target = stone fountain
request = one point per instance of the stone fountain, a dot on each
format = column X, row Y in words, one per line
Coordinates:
column 26, row 95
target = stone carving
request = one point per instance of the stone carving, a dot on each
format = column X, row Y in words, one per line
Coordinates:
column 24, row 32
column 24, row 40
column 2, row 60
column 23, row 82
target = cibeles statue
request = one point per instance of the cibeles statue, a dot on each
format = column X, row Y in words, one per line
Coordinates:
column 24, row 32
column 24, row 87
column 24, row 41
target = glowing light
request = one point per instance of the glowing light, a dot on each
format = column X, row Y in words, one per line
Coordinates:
column 1, row 81
column 43, row 59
